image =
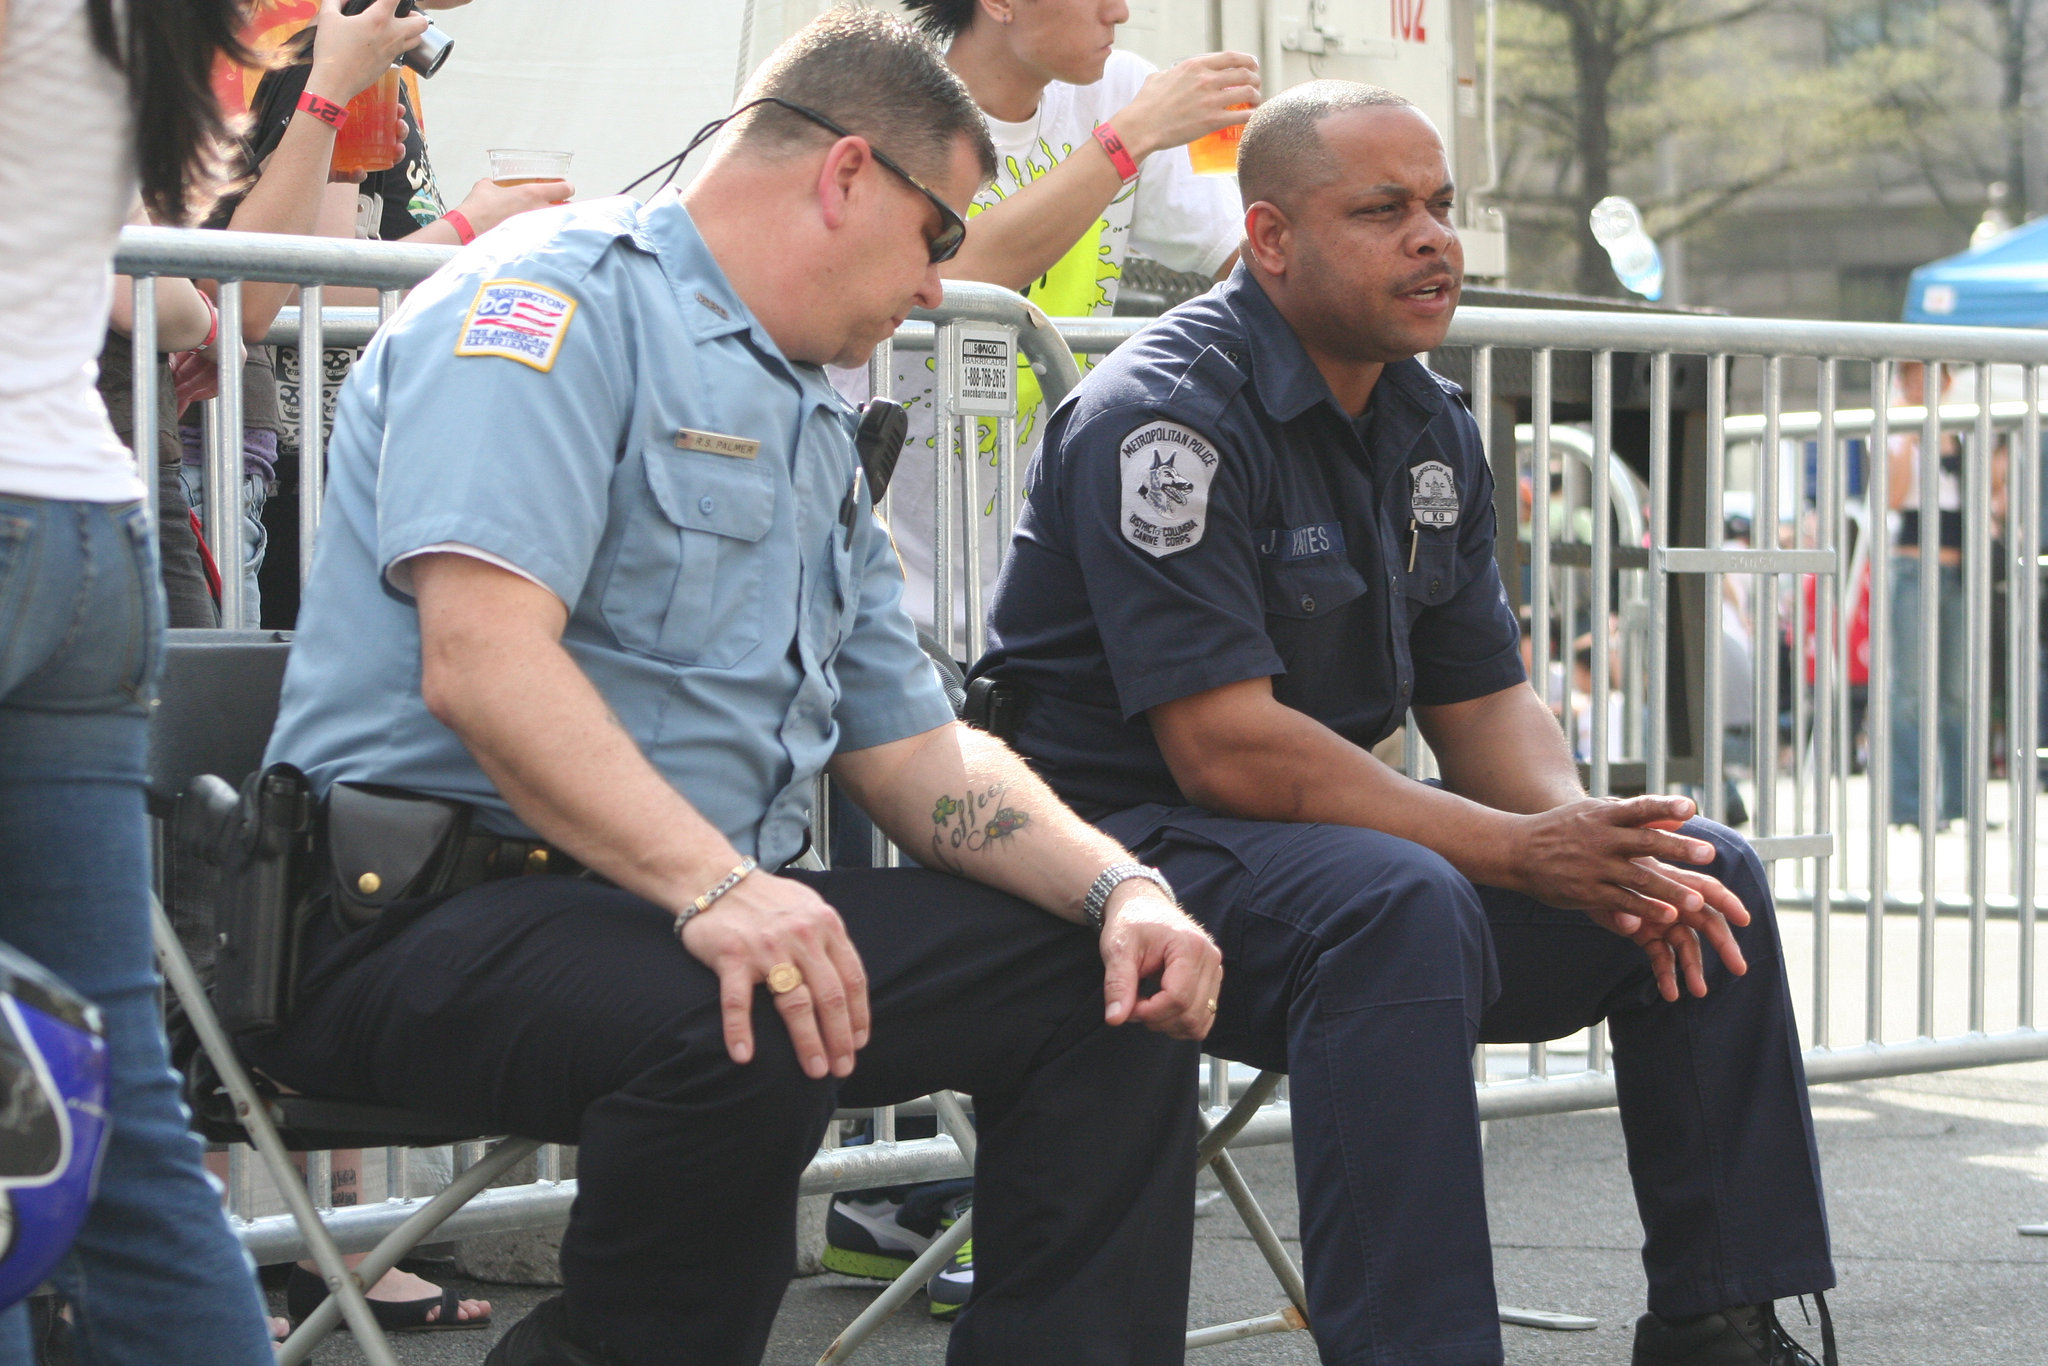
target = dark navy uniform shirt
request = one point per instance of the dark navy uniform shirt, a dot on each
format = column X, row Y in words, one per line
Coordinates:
column 1204, row 512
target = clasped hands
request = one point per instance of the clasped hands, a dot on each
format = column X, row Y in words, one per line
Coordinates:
column 1626, row 865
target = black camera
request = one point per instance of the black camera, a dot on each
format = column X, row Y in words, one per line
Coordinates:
column 426, row 56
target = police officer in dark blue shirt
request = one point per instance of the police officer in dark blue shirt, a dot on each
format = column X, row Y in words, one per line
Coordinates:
column 1258, row 535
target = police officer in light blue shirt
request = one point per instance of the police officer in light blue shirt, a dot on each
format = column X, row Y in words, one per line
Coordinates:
column 1259, row 533
column 600, row 584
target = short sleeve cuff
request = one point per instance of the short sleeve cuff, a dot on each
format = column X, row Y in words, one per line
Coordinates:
column 1442, row 687
column 399, row 575
column 914, row 713
column 1160, row 686
column 518, row 553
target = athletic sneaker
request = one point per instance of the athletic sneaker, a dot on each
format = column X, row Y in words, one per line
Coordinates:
column 949, row 1286
column 879, row 1233
column 1748, row 1335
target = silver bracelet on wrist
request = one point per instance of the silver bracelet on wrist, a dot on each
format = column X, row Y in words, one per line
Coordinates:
column 1109, row 879
column 704, row 902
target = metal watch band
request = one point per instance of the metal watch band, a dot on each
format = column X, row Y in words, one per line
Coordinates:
column 1109, row 879
column 704, row 902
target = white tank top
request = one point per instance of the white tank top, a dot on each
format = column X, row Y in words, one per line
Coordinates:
column 67, row 181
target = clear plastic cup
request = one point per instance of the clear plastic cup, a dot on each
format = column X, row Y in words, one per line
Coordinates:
column 373, row 139
column 1216, row 153
column 523, row 166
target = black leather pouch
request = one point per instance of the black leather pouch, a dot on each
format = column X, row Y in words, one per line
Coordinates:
column 386, row 844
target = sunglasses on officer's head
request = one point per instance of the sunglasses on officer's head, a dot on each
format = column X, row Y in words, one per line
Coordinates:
column 952, row 228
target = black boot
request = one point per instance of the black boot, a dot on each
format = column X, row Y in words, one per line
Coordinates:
column 542, row 1339
column 1748, row 1335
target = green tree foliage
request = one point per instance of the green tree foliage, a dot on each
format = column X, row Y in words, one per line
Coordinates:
column 1686, row 106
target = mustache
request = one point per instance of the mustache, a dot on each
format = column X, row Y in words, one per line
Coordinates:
column 1433, row 275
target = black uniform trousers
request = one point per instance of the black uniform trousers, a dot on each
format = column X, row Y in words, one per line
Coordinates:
column 566, row 1011
column 1367, row 968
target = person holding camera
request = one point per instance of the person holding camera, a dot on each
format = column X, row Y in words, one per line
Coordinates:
column 297, row 114
column 600, row 594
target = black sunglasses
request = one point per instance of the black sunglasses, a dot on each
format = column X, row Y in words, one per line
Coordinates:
column 952, row 228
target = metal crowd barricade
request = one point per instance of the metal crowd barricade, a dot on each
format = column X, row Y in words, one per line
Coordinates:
column 1806, row 817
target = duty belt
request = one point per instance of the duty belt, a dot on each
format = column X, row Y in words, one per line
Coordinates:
column 492, row 858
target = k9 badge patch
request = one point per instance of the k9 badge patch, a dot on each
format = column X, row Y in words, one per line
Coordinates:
column 518, row 320
column 1166, row 470
column 1433, row 497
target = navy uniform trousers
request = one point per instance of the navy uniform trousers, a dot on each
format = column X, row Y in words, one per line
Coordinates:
column 1367, row 968
column 566, row 1011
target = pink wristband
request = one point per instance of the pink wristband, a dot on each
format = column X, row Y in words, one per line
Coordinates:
column 455, row 219
column 1119, row 155
column 213, row 328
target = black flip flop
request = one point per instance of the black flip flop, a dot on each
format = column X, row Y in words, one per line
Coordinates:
column 304, row 1291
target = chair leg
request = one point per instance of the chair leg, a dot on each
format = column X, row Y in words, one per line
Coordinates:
column 418, row 1226
column 1211, row 1151
column 342, row 1283
column 953, row 1118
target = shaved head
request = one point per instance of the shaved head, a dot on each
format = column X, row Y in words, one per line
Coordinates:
column 1282, row 152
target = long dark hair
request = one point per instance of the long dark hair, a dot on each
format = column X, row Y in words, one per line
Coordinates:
column 166, row 48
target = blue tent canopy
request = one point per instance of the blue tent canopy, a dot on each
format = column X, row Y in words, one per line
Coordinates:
column 2003, row 283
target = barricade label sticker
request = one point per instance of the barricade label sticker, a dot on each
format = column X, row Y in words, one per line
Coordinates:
column 984, row 371
column 1166, row 470
column 518, row 320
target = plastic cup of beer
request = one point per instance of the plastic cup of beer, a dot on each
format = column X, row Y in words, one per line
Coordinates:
column 373, row 138
column 1216, row 153
column 523, row 166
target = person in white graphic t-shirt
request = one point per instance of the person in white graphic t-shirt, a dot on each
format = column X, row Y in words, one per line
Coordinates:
column 1091, row 164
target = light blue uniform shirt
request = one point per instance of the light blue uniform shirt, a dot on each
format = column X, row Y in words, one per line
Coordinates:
column 556, row 397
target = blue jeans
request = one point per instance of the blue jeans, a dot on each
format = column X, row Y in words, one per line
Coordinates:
column 1951, row 700
column 155, row 1278
column 255, row 536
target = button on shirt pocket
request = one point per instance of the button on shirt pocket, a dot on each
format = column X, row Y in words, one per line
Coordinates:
column 687, row 583
column 1311, row 590
column 1435, row 577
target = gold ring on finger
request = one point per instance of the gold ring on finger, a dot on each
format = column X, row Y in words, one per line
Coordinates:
column 784, row 978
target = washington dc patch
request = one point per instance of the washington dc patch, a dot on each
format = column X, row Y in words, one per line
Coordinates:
column 1433, row 498
column 1166, row 471
column 518, row 320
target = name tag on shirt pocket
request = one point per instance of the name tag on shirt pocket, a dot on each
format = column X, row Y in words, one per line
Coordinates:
column 687, row 585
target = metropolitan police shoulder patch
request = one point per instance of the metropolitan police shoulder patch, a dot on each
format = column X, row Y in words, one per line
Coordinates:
column 518, row 320
column 1165, row 470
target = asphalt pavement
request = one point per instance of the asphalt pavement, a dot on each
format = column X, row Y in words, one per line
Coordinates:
column 1927, row 1179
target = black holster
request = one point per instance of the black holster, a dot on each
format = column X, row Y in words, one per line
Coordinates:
column 995, row 707
column 263, row 841
column 286, row 860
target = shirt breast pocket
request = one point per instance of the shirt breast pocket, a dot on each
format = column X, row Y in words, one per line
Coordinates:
column 687, row 585
column 1309, row 590
column 1434, row 579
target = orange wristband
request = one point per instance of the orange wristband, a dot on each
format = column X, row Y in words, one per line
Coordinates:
column 327, row 111
column 455, row 219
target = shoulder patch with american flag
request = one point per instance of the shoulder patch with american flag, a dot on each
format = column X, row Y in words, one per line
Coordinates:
column 518, row 320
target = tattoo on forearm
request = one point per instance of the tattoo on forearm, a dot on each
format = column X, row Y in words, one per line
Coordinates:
column 972, row 822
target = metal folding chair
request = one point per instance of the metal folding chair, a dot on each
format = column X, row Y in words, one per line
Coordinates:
column 213, row 715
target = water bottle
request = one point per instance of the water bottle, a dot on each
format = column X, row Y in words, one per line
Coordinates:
column 1618, row 226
